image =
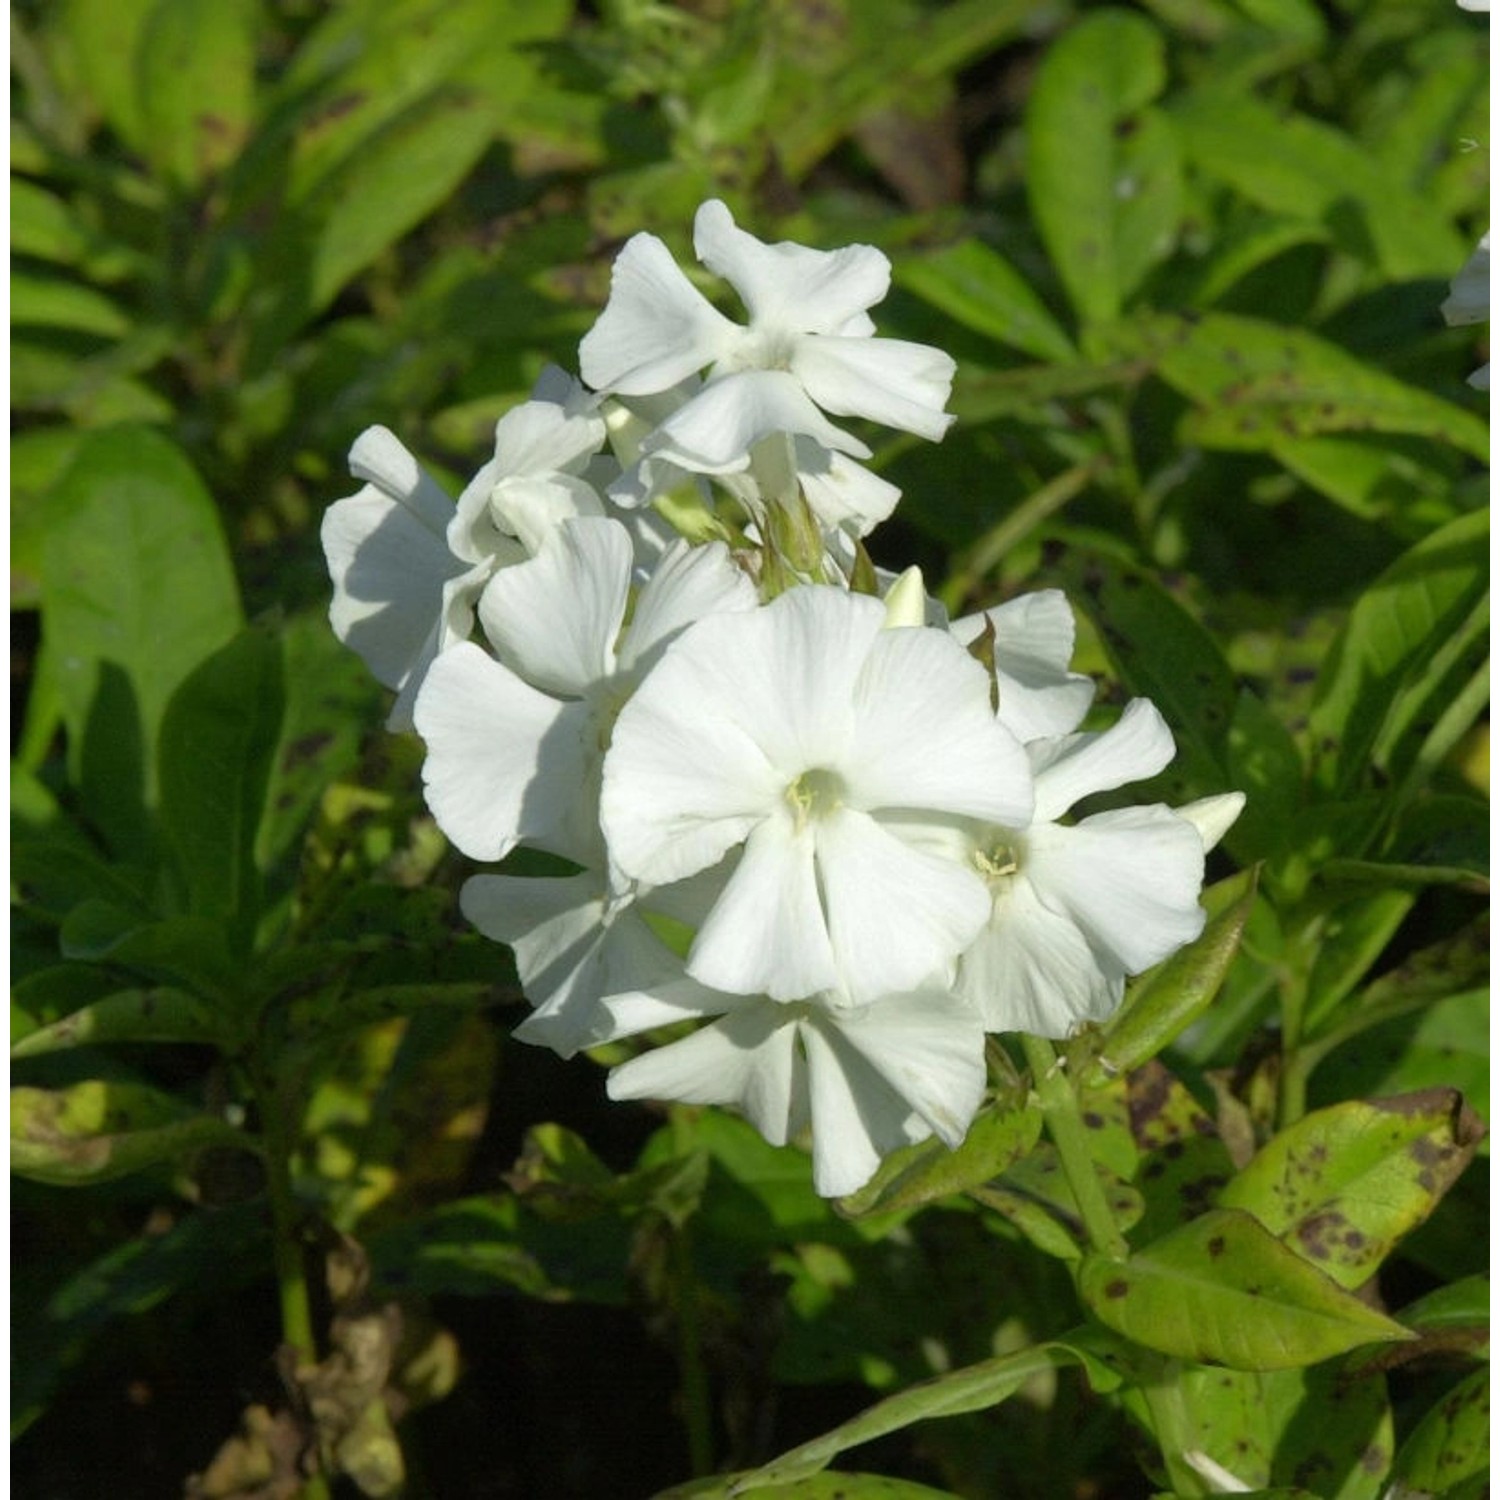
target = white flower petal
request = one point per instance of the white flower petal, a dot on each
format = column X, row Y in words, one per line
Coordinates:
column 856, row 1116
column 929, row 1047
column 715, row 431
column 454, row 623
column 1031, row 969
column 766, row 933
column 378, row 457
column 1129, row 879
column 531, row 509
column 504, row 762
column 655, row 330
column 896, row 915
column 1075, row 766
column 747, row 1059
column 885, row 380
column 925, row 736
column 1213, row 817
column 388, row 560
column 1033, row 644
column 1469, row 299
column 790, row 286
column 547, row 436
column 554, row 620
column 840, row 492
column 687, row 584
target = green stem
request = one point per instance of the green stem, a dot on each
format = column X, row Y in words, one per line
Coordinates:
column 1024, row 519
column 297, row 1327
column 1070, row 1136
column 695, row 1393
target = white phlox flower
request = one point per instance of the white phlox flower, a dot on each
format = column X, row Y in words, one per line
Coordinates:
column 796, row 734
column 1077, row 908
column 1031, row 644
column 868, row 1079
column 515, row 741
column 400, row 595
column 1469, row 300
column 407, row 565
column 808, row 347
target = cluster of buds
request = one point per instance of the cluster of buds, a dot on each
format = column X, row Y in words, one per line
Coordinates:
column 805, row 812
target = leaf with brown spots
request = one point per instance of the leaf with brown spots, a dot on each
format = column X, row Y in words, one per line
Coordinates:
column 1344, row 1184
column 1451, row 1444
column 1222, row 1290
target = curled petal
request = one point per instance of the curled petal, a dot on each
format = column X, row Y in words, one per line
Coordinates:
column 655, row 330
column 886, row 380
column 687, row 584
column 1129, row 879
column 791, row 286
column 554, row 619
column 1075, row 766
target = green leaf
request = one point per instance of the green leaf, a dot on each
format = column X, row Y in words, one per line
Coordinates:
column 1224, row 1290
column 98, row 1130
column 1265, row 764
column 1289, row 163
column 1451, row 1443
column 1105, row 209
column 103, row 38
column 1034, row 1195
column 1165, row 1001
column 976, row 286
column 1352, row 936
column 196, row 78
column 142, row 1015
column 51, row 302
column 1381, row 663
column 192, row 951
column 929, row 1170
column 218, row 737
column 1343, row 1185
column 1323, row 1427
column 1161, row 652
column 137, row 587
column 974, row 1388
column 1257, row 385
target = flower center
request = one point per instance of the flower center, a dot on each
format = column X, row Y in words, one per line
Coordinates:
column 761, row 349
column 815, row 794
column 999, row 857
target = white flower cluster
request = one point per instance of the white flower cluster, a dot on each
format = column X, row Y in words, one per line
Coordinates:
column 851, row 814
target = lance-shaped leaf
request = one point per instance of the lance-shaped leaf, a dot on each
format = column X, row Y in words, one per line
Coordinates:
column 1106, row 199
column 1168, row 999
column 1393, row 655
column 140, row 1015
column 929, row 1170
column 218, row 738
column 1223, row 1290
column 1344, row 1184
column 836, row 1486
column 973, row 1388
column 101, row 1129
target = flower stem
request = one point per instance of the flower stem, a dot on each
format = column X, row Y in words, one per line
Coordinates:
column 1065, row 1126
column 695, row 1394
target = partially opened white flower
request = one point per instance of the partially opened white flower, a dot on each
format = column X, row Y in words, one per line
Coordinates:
column 1031, row 644
column 1077, row 908
column 1469, row 300
column 868, row 1079
column 515, row 741
column 407, row 565
column 797, row 735
column 400, row 595
column 808, row 348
